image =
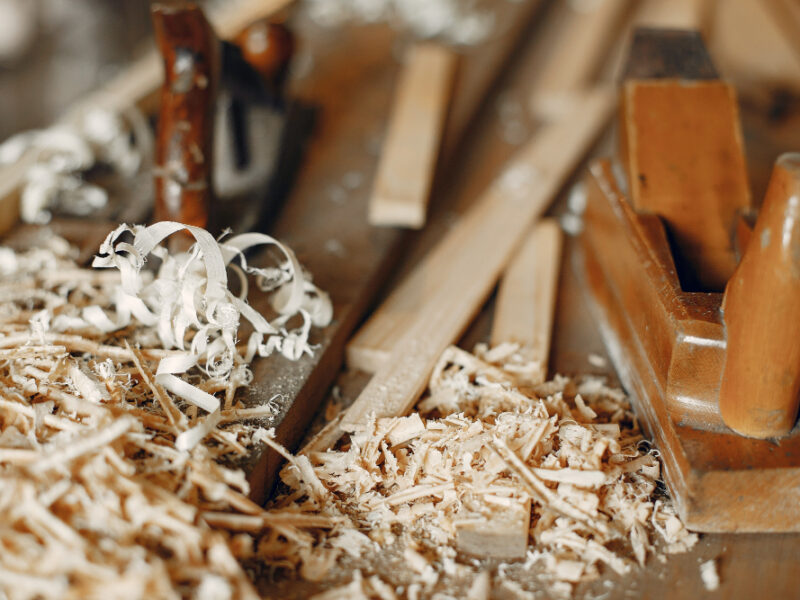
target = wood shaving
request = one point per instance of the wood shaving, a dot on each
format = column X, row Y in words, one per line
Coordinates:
column 113, row 486
column 479, row 445
column 710, row 575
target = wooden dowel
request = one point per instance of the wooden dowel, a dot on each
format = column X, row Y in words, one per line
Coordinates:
column 580, row 48
column 411, row 147
column 190, row 50
column 526, row 299
column 447, row 289
column 761, row 377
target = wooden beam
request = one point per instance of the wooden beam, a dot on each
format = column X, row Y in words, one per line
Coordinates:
column 448, row 288
column 136, row 85
column 526, row 299
column 578, row 51
column 410, row 150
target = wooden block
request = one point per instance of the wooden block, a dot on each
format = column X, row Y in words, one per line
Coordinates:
column 682, row 148
column 584, row 39
column 411, row 147
column 449, row 286
column 526, row 298
column 136, row 85
column 503, row 535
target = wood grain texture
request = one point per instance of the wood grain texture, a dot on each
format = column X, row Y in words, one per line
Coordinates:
column 526, row 297
column 682, row 148
column 190, row 52
column 446, row 291
column 402, row 184
column 758, row 396
column 668, row 347
column 585, row 35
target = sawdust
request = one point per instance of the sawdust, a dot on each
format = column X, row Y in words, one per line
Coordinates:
column 478, row 449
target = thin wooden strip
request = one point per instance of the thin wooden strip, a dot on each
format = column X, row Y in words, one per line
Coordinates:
column 584, row 39
column 468, row 261
column 526, row 299
column 409, row 156
column 135, row 85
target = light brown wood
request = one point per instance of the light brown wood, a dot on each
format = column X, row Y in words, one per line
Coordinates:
column 526, row 297
column 136, row 85
column 758, row 396
column 754, row 46
column 682, row 148
column 585, row 35
column 409, row 155
column 503, row 535
column 445, row 292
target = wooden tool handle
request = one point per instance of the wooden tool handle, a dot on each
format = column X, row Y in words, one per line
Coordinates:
column 761, row 378
column 190, row 51
column 268, row 47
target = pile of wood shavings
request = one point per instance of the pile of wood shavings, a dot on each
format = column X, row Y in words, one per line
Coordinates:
column 479, row 456
column 113, row 487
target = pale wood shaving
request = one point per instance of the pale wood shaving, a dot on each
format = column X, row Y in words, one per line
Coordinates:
column 481, row 444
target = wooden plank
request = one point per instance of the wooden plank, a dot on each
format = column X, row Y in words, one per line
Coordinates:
column 349, row 258
column 526, row 298
column 409, row 155
column 586, row 32
column 448, row 288
column 135, row 85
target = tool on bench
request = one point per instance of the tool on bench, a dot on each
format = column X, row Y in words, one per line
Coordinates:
column 701, row 315
column 221, row 118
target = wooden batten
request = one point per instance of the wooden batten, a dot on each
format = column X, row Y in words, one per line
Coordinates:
column 448, row 288
column 526, row 298
column 409, row 156
column 577, row 54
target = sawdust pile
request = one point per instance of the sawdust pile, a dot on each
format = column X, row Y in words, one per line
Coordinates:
column 554, row 475
column 111, row 486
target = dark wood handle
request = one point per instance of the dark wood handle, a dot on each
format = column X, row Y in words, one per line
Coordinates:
column 268, row 47
column 190, row 50
column 761, row 378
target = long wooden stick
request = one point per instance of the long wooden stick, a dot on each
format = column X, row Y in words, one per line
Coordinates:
column 137, row 85
column 526, row 299
column 410, row 150
column 448, row 288
column 579, row 50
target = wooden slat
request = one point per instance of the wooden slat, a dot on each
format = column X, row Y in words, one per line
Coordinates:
column 584, row 38
column 526, row 298
column 450, row 285
column 135, row 85
column 409, row 155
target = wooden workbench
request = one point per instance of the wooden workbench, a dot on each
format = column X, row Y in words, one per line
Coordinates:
column 750, row 566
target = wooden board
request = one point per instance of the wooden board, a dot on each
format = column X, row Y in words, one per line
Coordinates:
column 435, row 304
column 526, row 297
column 409, row 154
column 585, row 34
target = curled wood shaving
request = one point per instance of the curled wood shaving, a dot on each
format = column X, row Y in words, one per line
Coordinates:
column 482, row 444
column 112, row 485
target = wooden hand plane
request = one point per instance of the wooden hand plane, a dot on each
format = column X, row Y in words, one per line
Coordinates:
column 700, row 312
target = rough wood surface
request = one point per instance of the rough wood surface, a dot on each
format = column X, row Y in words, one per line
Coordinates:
column 191, row 55
column 448, row 289
column 526, row 297
column 410, row 150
